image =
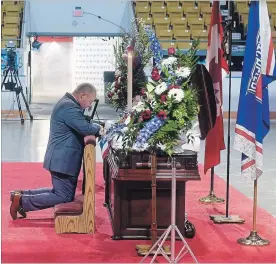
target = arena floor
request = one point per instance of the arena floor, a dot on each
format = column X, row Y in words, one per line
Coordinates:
column 27, row 143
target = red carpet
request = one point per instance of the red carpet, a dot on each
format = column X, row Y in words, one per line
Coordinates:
column 34, row 239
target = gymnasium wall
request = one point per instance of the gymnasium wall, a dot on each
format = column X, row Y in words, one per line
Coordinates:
column 235, row 93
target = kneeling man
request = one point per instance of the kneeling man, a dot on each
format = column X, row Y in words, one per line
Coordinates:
column 63, row 158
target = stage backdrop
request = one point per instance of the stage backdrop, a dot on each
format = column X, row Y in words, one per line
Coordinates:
column 58, row 67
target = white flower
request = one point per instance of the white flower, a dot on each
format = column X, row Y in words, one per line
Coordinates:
column 161, row 146
column 169, row 61
column 160, row 88
column 139, row 106
column 176, row 94
column 115, row 96
column 126, row 122
column 118, row 73
column 153, row 103
column 183, row 72
column 112, row 85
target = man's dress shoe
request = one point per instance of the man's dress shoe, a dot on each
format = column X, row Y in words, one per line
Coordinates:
column 15, row 206
column 13, row 192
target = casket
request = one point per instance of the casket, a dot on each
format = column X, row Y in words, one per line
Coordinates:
column 128, row 192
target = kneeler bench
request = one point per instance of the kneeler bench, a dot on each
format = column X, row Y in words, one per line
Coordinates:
column 79, row 215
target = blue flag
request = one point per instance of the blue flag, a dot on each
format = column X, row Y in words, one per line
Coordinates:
column 258, row 71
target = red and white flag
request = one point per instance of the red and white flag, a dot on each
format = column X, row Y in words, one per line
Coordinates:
column 218, row 69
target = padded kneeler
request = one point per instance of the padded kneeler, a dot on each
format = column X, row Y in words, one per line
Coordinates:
column 79, row 215
column 73, row 208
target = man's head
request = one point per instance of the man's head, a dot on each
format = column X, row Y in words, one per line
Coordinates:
column 85, row 94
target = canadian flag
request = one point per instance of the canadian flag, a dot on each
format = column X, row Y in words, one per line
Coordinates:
column 218, row 69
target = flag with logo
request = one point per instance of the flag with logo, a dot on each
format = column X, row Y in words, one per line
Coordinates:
column 218, row 69
column 259, row 70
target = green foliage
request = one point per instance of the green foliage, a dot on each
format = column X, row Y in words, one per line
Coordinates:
column 189, row 59
column 138, row 39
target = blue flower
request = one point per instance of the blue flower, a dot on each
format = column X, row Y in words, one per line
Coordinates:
column 148, row 130
column 155, row 47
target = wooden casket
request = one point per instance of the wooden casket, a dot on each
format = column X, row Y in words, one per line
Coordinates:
column 128, row 194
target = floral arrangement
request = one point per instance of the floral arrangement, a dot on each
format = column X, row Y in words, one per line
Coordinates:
column 138, row 42
column 168, row 107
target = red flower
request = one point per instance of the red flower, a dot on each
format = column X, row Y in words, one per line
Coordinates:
column 155, row 74
column 154, row 70
column 172, row 86
column 155, row 77
column 143, row 91
column 110, row 94
column 171, row 51
column 162, row 114
column 146, row 114
column 130, row 48
column 163, row 98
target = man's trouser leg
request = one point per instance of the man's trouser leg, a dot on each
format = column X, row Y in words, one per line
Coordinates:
column 64, row 188
column 37, row 191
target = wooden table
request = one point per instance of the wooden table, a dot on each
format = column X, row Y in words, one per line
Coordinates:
column 128, row 196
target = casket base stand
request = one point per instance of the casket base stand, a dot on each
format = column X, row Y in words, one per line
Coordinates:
column 144, row 250
column 158, row 247
column 128, row 193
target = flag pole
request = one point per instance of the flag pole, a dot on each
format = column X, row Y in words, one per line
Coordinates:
column 254, row 239
column 234, row 219
column 211, row 198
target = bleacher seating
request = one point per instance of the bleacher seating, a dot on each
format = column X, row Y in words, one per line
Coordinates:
column 242, row 8
column 176, row 23
column 11, row 21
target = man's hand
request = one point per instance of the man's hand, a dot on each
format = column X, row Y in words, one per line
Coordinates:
column 102, row 131
column 90, row 140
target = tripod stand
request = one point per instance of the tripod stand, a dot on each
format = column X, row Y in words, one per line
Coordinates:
column 12, row 83
column 172, row 229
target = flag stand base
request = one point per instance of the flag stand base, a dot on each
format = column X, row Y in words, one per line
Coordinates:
column 253, row 240
column 211, row 198
column 231, row 219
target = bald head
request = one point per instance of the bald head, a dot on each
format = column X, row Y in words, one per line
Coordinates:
column 85, row 94
column 85, row 88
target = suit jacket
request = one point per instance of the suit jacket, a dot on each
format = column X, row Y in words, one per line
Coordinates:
column 68, row 127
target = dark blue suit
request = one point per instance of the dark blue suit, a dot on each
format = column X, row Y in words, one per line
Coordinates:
column 64, row 154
